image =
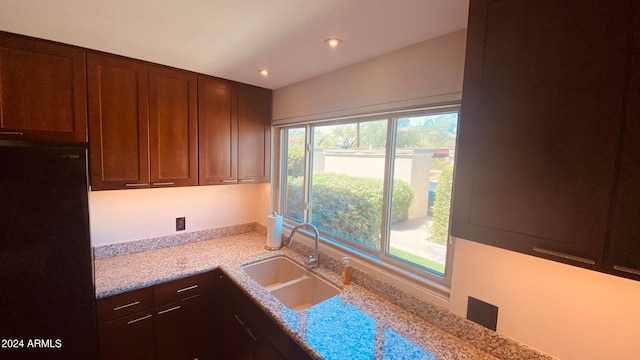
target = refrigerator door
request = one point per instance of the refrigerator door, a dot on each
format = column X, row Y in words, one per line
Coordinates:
column 47, row 299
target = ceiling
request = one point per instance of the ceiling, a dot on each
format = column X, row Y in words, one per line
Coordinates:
column 233, row 39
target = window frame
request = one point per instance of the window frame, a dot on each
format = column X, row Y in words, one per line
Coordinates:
column 380, row 259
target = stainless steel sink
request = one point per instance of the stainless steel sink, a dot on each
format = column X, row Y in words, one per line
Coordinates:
column 296, row 287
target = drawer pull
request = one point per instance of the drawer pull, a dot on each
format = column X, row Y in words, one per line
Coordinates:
column 626, row 269
column 164, row 183
column 11, row 133
column 238, row 318
column 187, row 288
column 126, row 306
column 135, row 185
column 247, row 180
column 229, row 181
column 191, row 297
column 251, row 334
column 565, row 256
column 169, row 310
column 139, row 319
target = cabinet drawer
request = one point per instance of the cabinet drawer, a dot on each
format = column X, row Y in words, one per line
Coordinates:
column 131, row 337
column 116, row 306
column 183, row 288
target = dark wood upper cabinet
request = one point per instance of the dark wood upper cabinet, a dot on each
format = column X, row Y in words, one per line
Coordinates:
column 542, row 107
column 624, row 237
column 43, row 92
column 173, row 127
column 218, row 131
column 119, row 122
column 150, row 125
column 235, row 132
column 144, row 124
column 254, row 133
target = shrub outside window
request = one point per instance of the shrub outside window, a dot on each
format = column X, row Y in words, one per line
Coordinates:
column 377, row 185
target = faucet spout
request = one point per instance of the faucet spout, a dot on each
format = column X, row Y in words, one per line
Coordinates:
column 312, row 261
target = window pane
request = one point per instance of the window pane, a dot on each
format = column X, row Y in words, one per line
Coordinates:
column 423, row 172
column 293, row 184
column 347, row 181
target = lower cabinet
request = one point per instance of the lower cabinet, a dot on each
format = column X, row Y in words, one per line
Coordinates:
column 205, row 316
column 183, row 329
column 128, row 338
column 250, row 333
column 177, row 320
column 244, row 338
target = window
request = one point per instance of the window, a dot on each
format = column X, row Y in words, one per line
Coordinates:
column 378, row 186
column 294, row 150
column 347, row 181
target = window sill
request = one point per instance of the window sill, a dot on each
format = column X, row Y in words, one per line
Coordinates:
column 375, row 273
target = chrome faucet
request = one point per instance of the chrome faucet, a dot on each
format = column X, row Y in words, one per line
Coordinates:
column 312, row 261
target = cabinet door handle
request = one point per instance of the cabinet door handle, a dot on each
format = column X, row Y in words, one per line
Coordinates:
column 169, row 310
column 163, row 183
column 188, row 288
column 251, row 334
column 136, row 185
column 139, row 319
column 626, row 269
column 126, row 306
column 11, row 133
column 564, row 256
column 247, row 180
column 229, row 181
column 238, row 318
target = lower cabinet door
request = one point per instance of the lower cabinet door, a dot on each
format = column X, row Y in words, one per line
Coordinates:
column 239, row 343
column 184, row 329
column 265, row 351
column 127, row 338
column 245, row 342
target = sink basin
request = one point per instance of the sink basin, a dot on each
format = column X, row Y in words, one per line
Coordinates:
column 304, row 293
column 274, row 272
column 292, row 284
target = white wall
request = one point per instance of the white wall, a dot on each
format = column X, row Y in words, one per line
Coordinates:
column 425, row 73
column 567, row 312
column 126, row 215
column 563, row 310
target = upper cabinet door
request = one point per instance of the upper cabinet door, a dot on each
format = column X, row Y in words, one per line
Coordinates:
column 254, row 134
column 173, row 127
column 624, row 236
column 542, row 107
column 43, row 92
column 118, row 113
column 218, row 131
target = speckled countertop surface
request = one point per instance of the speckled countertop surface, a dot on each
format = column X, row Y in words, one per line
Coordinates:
column 357, row 324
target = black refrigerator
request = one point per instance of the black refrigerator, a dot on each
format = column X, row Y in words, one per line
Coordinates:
column 47, row 294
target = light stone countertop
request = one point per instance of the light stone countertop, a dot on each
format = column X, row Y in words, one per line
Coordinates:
column 380, row 329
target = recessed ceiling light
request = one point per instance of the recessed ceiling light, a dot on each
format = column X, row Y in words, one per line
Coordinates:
column 264, row 72
column 333, row 42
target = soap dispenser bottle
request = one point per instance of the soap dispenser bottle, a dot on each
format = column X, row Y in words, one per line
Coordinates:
column 347, row 271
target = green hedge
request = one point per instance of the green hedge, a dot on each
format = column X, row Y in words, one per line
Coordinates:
column 350, row 206
column 442, row 207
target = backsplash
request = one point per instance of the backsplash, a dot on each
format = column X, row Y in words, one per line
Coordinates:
column 131, row 247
